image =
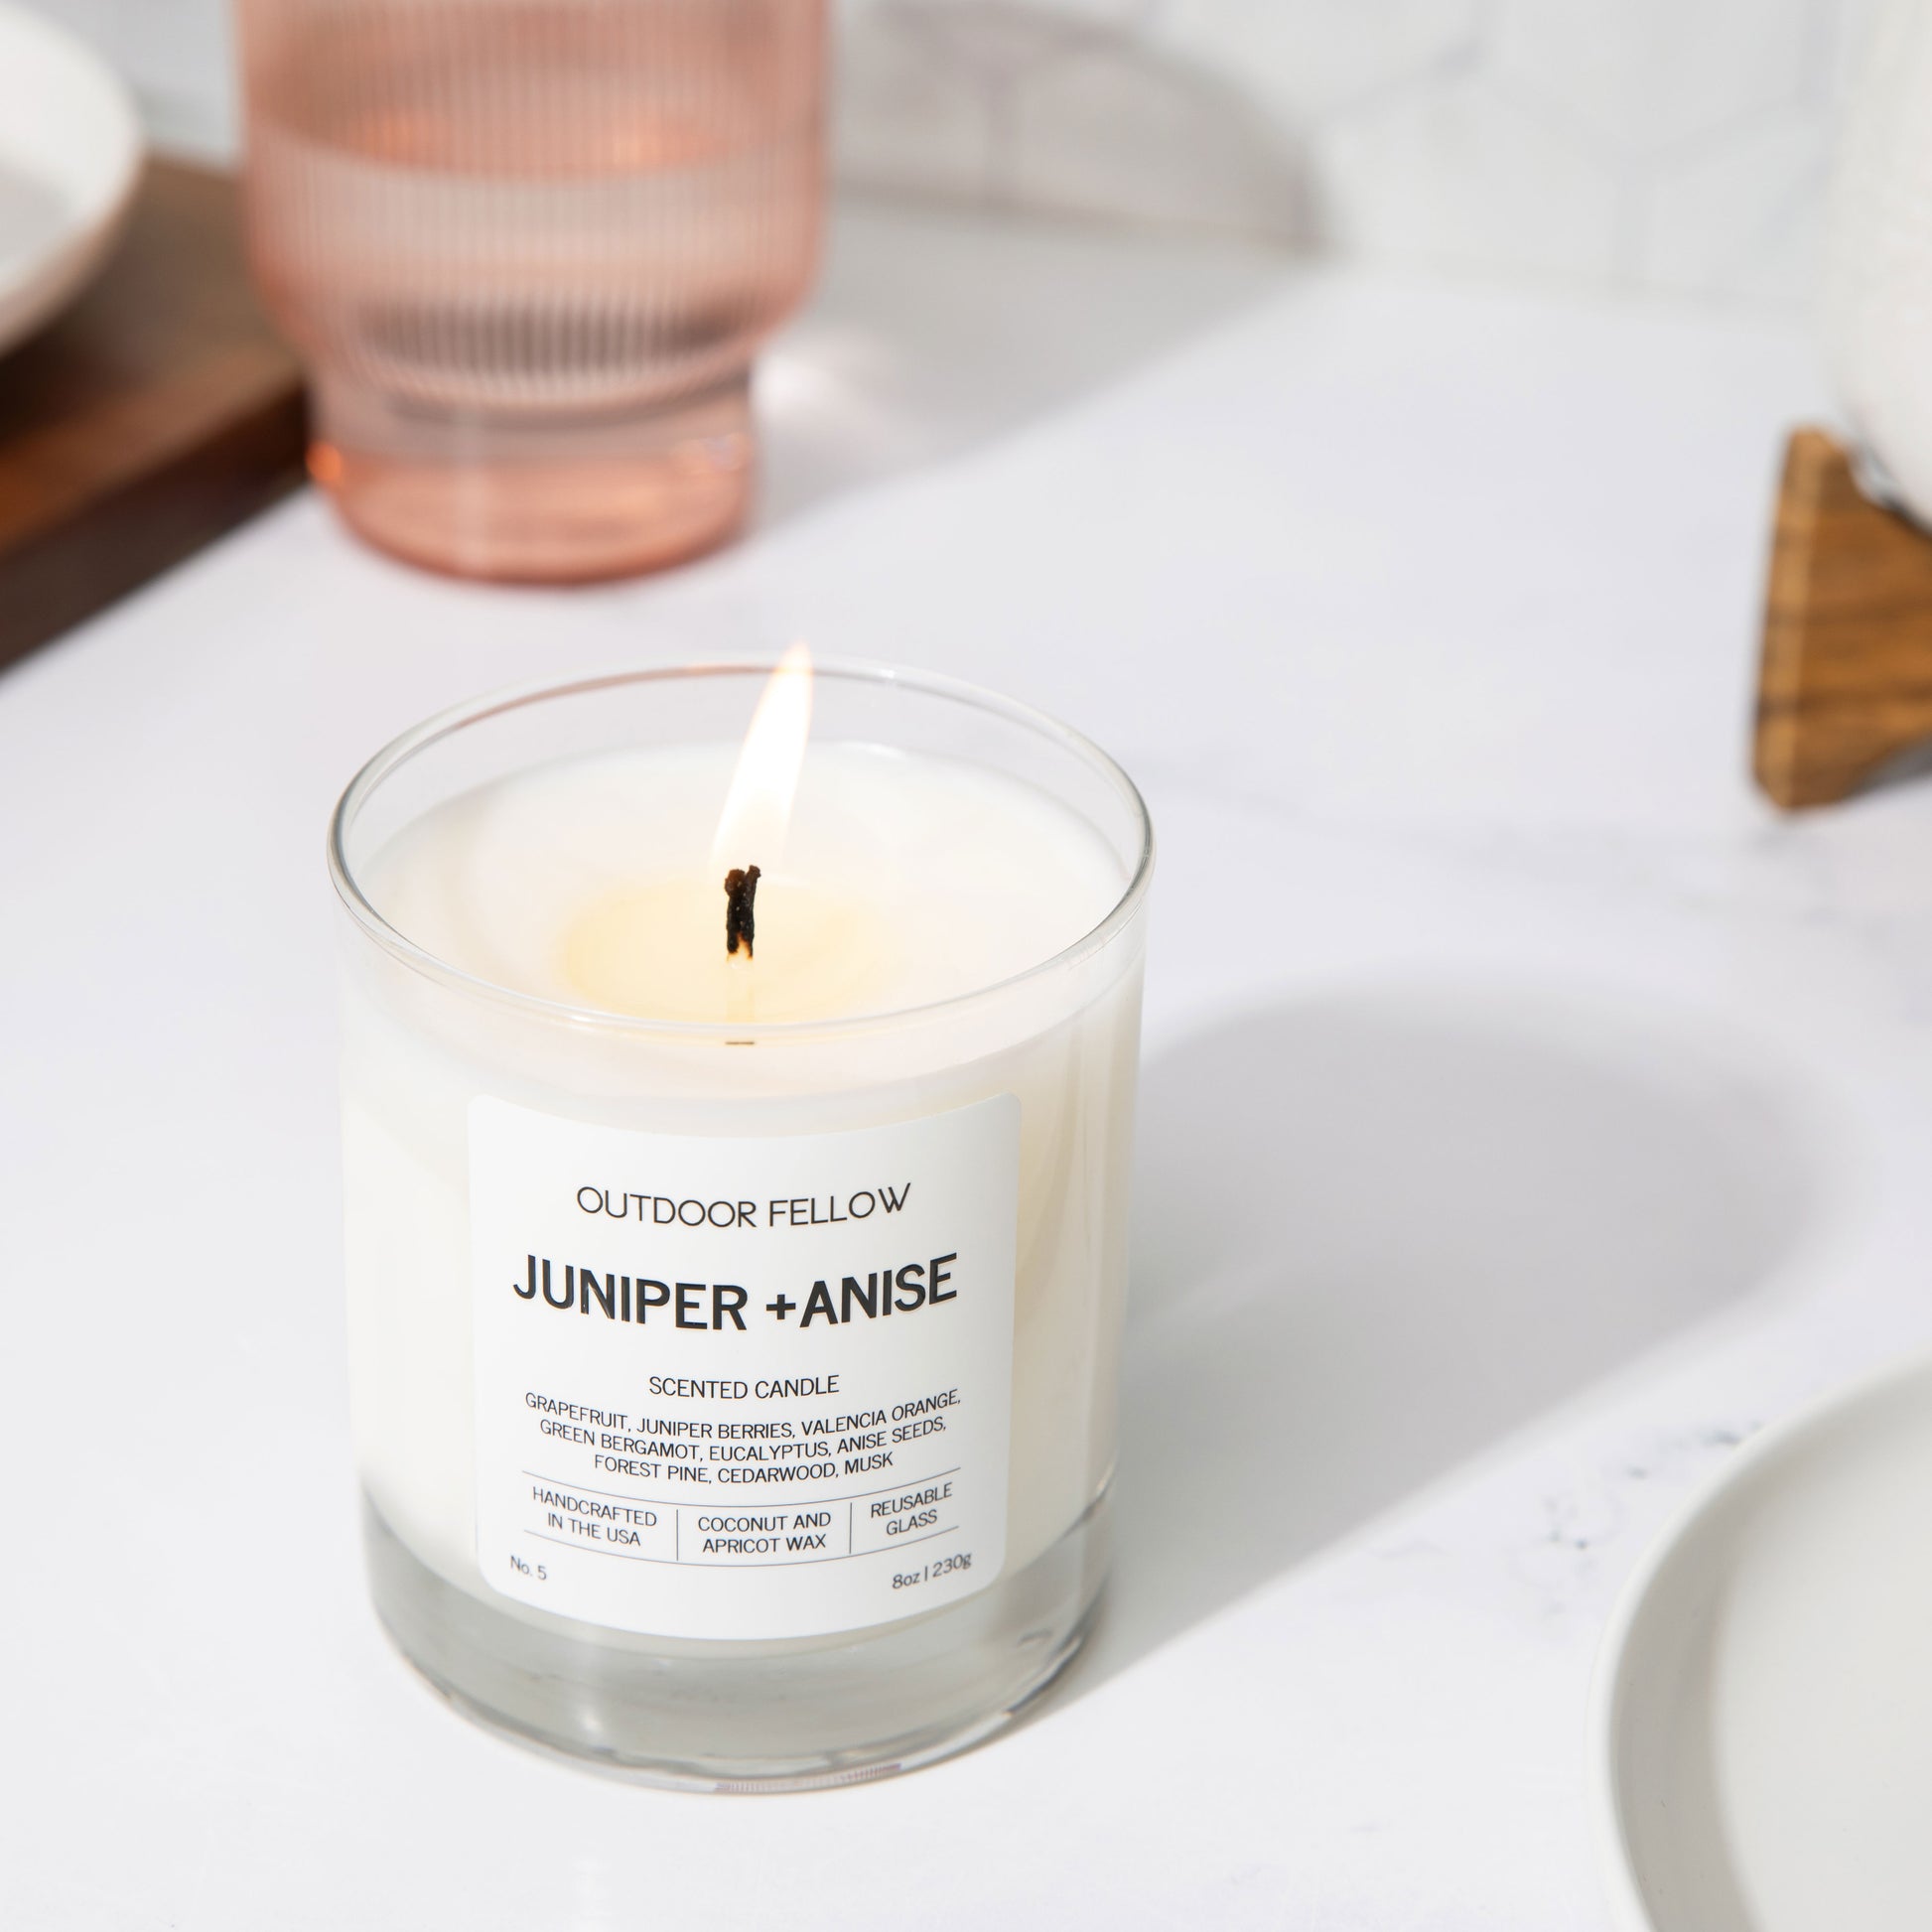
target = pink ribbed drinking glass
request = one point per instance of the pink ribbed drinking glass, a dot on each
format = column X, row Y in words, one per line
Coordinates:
column 528, row 249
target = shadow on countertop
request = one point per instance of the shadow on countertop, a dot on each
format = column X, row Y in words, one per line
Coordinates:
column 945, row 323
column 937, row 332
column 1378, row 1231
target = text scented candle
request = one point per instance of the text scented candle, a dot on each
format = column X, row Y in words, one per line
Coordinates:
column 738, row 1079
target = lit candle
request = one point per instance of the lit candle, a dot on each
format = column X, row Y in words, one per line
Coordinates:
column 734, row 1258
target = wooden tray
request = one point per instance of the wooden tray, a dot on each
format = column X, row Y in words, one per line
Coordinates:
column 158, row 412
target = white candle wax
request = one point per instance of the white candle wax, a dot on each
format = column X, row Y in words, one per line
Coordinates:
column 905, row 881
column 934, row 956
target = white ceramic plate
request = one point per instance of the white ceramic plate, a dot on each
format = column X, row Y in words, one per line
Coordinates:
column 69, row 159
column 1762, row 1723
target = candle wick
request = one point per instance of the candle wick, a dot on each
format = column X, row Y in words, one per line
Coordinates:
column 741, row 889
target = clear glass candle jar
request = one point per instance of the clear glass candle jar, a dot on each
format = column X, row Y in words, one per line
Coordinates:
column 527, row 249
column 733, row 1396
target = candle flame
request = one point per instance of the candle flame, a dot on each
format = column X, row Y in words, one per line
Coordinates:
column 757, row 808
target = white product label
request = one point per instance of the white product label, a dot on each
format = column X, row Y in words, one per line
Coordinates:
column 743, row 1388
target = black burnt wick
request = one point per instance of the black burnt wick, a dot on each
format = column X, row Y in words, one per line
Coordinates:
column 741, row 889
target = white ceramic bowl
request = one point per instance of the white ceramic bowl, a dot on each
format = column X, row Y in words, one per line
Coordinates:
column 70, row 160
column 1763, row 1724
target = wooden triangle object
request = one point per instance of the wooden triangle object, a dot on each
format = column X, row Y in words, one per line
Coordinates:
column 1844, row 683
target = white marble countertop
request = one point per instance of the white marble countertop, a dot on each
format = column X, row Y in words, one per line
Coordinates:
column 1552, row 1115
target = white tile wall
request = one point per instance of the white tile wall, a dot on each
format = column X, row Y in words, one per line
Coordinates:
column 176, row 53
column 1668, row 144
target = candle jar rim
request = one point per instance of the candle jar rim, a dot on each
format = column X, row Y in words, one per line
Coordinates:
column 479, row 710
